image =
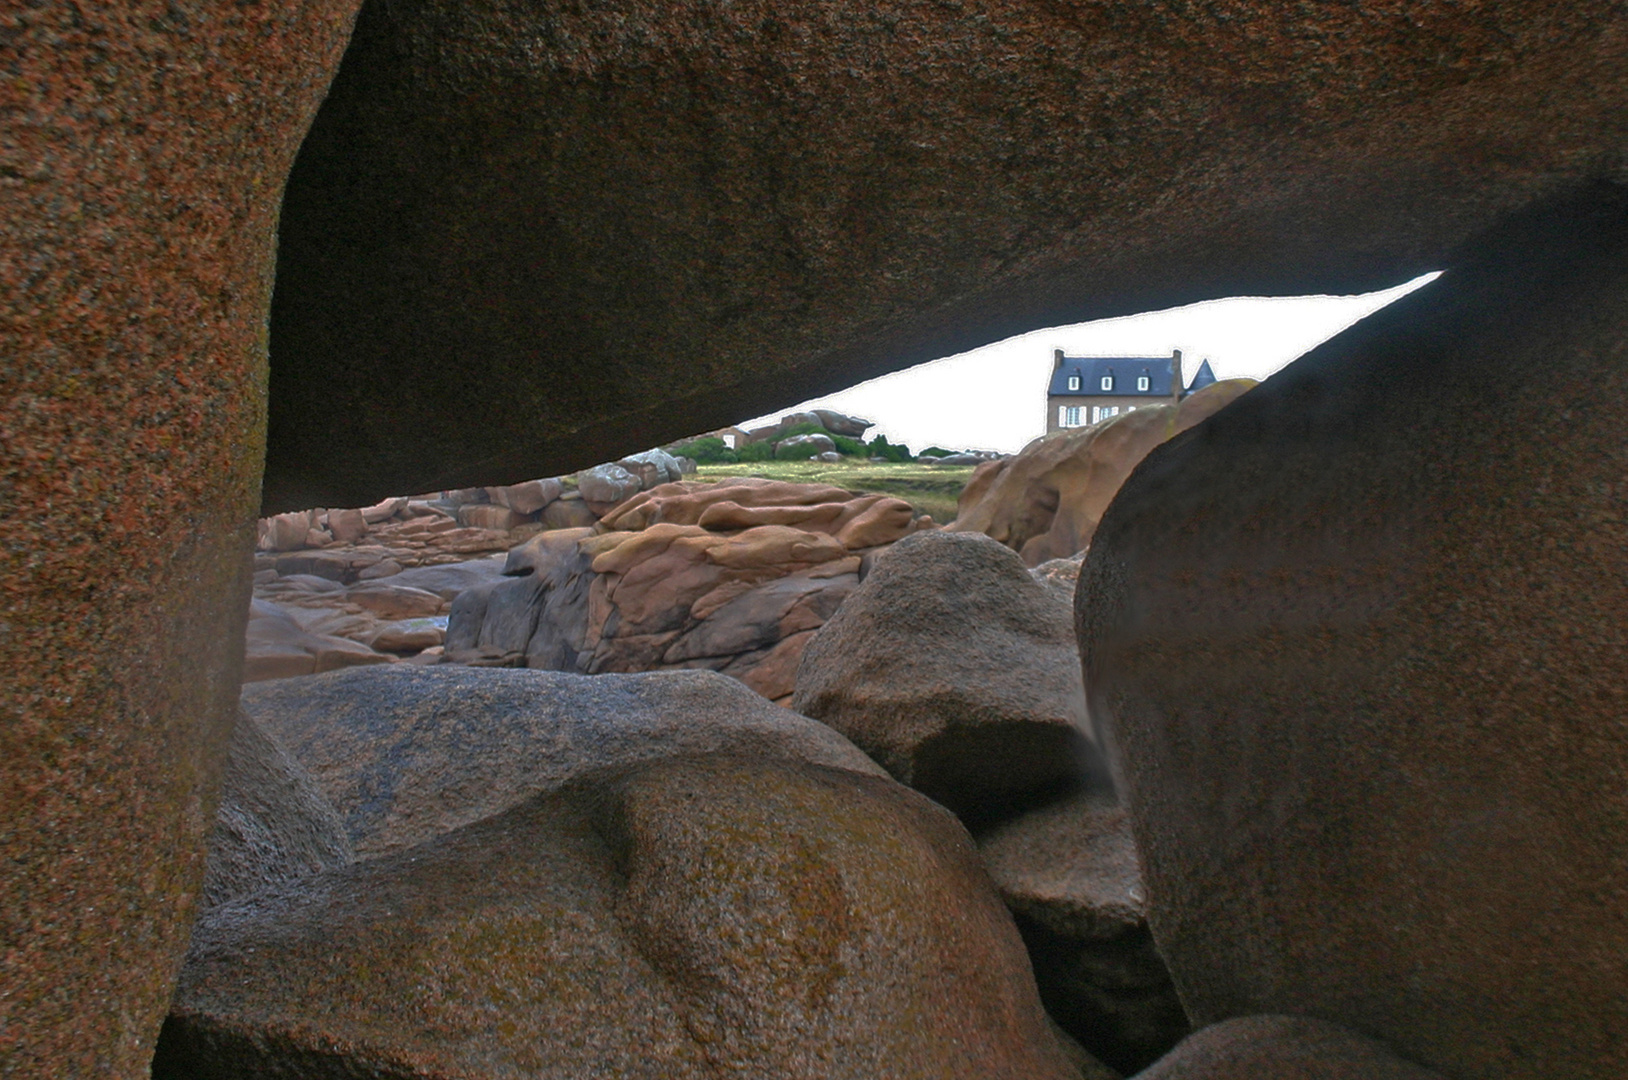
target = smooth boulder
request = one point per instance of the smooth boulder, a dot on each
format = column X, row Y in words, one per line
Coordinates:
column 406, row 753
column 1358, row 641
column 680, row 880
column 1283, row 1048
column 957, row 671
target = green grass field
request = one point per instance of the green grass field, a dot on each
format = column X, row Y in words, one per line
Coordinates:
column 931, row 489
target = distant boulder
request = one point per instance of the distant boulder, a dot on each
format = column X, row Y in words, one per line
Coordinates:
column 653, row 467
column 1045, row 502
column 800, row 447
column 527, row 498
column 840, row 424
column 605, row 486
column 734, row 577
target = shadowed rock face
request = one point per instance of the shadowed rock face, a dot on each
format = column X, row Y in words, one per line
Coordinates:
column 1282, row 1048
column 143, row 147
column 536, row 215
column 598, row 227
column 1359, row 643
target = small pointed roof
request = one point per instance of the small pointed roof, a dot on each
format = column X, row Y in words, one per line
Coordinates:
column 1201, row 378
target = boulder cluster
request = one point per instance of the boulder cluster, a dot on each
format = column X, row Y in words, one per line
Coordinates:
column 457, row 870
column 620, row 569
column 733, row 576
column 338, row 588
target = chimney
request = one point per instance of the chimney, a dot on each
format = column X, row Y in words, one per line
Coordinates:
column 1056, row 359
column 1177, row 384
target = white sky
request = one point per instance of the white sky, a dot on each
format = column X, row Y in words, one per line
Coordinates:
column 994, row 398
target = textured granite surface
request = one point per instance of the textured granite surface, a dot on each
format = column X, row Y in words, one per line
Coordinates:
column 685, row 917
column 601, row 226
column 1360, row 642
column 143, row 147
column 1282, row 1048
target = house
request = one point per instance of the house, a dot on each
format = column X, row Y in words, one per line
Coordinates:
column 1085, row 390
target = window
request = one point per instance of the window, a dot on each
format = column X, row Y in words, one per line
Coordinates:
column 1107, row 382
column 1073, row 382
column 1100, row 413
column 1142, row 382
column 1071, row 416
column 729, row 441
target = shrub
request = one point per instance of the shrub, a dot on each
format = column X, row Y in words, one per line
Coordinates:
column 756, row 451
column 797, row 453
column 850, row 447
column 802, row 429
column 881, row 448
column 936, row 451
column 709, row 450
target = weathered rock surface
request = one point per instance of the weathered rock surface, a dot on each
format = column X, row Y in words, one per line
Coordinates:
column 143, row 150
column 279, row 646
column 1061, row 576
column 653, row 468
column 842, row 424
column 957, row 671
column 1359, row 642
column 407, row 753
column 301, row 624
column 604, row 486
column 733, row 576
column 942, row 179
column 797, row 446
column 1045, row 502
column 272, row 825
column 686, row 881
column 1283, row 1048
column 526, row 498
column 1341, row 146
column 1068, row 871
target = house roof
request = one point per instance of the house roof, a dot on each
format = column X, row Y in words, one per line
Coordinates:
column 1124, row 371
column 1201, row 378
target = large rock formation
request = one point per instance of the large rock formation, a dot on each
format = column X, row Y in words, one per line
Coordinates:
column 694, row 883
column 1360, row 640
column 1045, row 502
column 143, row 149
column 734, row 576
column 609, row 226
column 537, row 215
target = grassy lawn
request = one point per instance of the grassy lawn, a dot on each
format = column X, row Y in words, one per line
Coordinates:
column 931, row 489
